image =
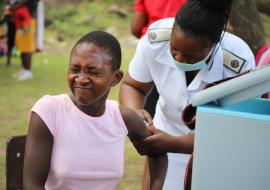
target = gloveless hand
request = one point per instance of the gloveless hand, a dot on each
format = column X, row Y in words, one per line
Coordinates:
column 159, row 142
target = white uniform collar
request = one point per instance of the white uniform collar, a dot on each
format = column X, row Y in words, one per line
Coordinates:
column 213, row 71
column 163, row 56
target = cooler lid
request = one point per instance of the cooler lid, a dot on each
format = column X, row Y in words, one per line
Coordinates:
column 244, row 87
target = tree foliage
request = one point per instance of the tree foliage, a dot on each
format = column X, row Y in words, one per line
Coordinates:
column 263, row 6
column 247, row 23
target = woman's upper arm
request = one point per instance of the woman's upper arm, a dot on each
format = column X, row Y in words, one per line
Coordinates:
column 133, row 93
column 139, row 21
column 38, row 152
column 136, row 127
column 143, row 87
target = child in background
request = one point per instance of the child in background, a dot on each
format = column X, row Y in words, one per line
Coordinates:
column 11, row 30
column 3, row 31
column 26, row 43
column 79, row 137
column 22, row 19
column 148, row 11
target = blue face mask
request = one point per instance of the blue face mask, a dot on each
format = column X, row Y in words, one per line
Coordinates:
column 190, row 67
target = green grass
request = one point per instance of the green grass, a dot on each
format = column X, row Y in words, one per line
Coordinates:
column 84, row 17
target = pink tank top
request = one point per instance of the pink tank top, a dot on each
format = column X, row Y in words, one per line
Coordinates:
column 88, row 152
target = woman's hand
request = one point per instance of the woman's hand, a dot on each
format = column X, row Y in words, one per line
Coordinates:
column 159, row 142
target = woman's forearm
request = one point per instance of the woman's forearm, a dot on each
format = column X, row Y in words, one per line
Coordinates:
column 183, row 144
column 158, row 165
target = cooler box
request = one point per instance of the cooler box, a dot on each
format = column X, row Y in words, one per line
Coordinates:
column 231, row 150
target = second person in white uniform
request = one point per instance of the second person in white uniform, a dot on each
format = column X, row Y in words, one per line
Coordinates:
column 180, row 56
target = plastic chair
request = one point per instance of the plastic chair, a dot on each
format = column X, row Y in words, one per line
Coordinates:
column 14, row 162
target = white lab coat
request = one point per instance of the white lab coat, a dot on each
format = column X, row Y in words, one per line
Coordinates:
column 152, row 63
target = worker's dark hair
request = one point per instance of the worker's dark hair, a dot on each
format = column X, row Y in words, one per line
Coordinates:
column 106, row 41
column 204, row 19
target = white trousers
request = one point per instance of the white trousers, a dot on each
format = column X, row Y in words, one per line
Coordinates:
column 176, row 171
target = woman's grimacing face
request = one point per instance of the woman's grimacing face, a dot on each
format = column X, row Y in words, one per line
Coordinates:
column 186, row 49
column 90, row 75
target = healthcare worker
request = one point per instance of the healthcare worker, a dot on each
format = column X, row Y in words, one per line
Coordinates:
column 180, row 56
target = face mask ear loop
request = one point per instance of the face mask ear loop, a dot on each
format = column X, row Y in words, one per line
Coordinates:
column 222, row 35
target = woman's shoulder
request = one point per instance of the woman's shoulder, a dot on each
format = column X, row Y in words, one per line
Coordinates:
column 233, row 42
column 112, row 103
column 114, row 114
column 114, row 108
column 160, row 31
column 238, row 57
column 51, row 100
column 163, row 23
column 236, row 46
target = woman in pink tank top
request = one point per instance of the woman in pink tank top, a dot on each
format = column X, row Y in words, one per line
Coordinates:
column 76, row 141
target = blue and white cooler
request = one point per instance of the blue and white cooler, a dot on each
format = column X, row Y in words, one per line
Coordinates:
column 232, row 140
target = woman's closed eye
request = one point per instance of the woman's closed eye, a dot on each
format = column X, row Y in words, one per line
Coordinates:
column 94, row 71
column 74, row 69
column 89, row 71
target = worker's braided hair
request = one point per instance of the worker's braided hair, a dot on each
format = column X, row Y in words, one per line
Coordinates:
column 204, row 18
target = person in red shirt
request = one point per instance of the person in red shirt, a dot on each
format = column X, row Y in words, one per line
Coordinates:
column 148, row 11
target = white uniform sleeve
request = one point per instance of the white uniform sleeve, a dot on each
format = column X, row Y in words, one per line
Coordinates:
column 240, row 48
column 250, row 60
column 139, row 67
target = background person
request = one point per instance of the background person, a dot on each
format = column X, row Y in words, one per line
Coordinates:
column 11, row 31
column 26, row 40
column 3, row 30
column 180, row 56
column 146, row 12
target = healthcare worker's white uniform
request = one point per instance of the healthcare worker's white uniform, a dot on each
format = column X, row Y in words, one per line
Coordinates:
column 151, row 62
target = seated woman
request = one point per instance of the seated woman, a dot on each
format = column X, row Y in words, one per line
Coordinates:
column 76, row 140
